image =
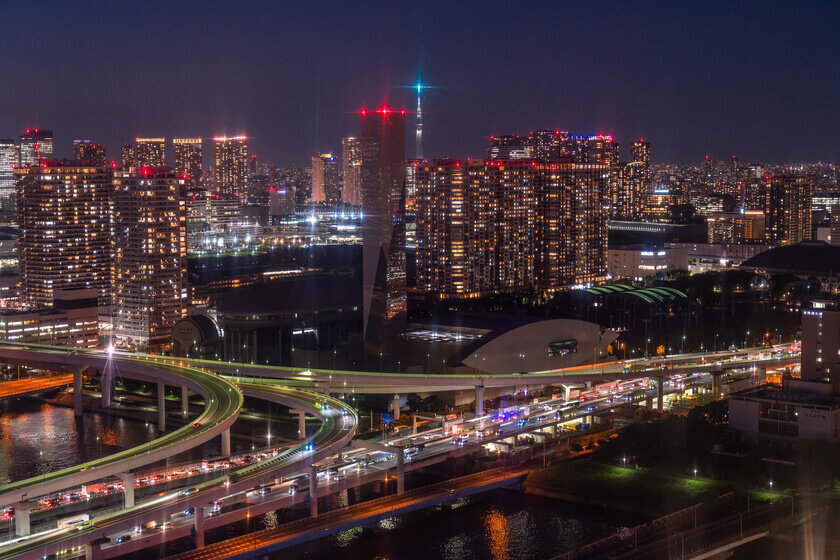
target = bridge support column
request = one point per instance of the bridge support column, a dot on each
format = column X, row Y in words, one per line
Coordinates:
column 400, row 471
column 22, row 510
column 716, row 375
column 313, row 487
column 395, row 407
column 93, row 551
column 660, row 392
column 649, row 403
column 301, row 422
column 77, row 391
column 128, row 491
column 479, row 400
column 198, row 526
column 106, row 387
column 185, row 400
column 226, row 443
column 414, row 424
column 161, row 405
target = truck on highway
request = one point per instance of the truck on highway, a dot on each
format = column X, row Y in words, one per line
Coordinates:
column 74, row 520
column 230, row 501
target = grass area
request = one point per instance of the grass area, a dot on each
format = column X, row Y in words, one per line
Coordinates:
column 608, row 483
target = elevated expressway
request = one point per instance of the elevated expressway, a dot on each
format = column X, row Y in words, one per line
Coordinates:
column 339, row 382
column 222, row 404
column 338, row 426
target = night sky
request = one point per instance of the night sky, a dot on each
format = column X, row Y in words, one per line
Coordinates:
column 760, row 79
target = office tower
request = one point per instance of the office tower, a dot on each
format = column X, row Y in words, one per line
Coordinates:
column 351, row 171
column 383, row 230
column 35, row 146
column 788, row 209
column 281, row 203
column 326, row 179
column 150, row 152
column 259, row 187
column 230, row 157
column 94, row 154
column 510, row 147
column 64, row 219
column 128, row 156
column 188, row 159
column 735, row 227
column 148, row 256
column 8, row 162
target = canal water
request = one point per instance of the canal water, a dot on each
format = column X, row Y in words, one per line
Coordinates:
column 36, row 437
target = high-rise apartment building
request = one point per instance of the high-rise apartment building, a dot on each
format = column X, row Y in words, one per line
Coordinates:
column 148, row 256
column 383, row 228
column 188, row 159
column 230, row 157
column 150, row 152
column 94, row 154
column 326, row 179
column 35, row 146
column 128, row 156
column 788, row 209
column 351, row 171
column 491, row 226
column 64, row 220
column 8, row 162
column 571, row 224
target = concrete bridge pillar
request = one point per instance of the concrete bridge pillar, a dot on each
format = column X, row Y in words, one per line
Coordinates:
column 400, row 471
column 716, row 386
column 395, row 407
column 226, row 443
column 313, row 488
column 660, row 391
column 22, row 510
column 649, row 403
column 93, row 551
column 128, row 492
column 185, row 400
column 106, row 387
column 479, row 400
column 161, row 406
column 77, row 391
column 198, row 526
column 301, row 422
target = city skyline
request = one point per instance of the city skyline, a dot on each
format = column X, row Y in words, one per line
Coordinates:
column 693, row 80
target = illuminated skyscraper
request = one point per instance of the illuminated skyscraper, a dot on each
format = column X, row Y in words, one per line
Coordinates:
column 8, row 162
column 230, row 157
column 545, row 145
column 510, row 147
column 490, row 227
column 150, row 152
column 85, row 150
column 188, row 159
column 148, row 256
column 383, row 227
column 633, row 187
column 351, row 171
column 128, row 156
column 326, row 179
column 788, row 209
column 64, row 220
column 571, row 224
column 36, row 146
